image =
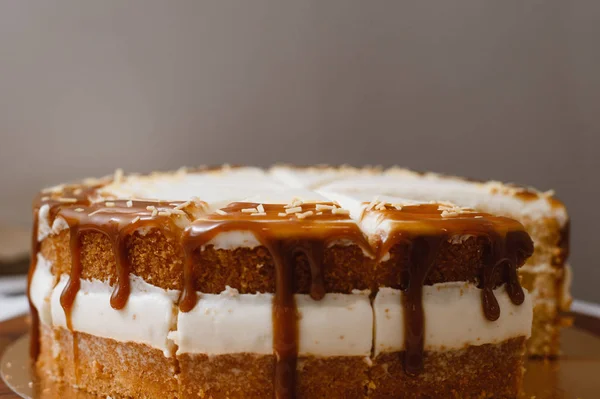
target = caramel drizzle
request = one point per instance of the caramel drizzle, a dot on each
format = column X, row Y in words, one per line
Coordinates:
column 508, row 247
column 117, row 236
column 505, row 253
column 116, row 222
column 34, row 330
column 422, row 252
column 310, row 238
column 422, row 228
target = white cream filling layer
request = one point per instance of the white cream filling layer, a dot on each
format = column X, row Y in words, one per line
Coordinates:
column 147, row 317
column 453, row 318
column 42, row 284
column 338, row 325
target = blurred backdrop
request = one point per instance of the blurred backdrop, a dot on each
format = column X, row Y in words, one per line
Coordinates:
column 506, row 90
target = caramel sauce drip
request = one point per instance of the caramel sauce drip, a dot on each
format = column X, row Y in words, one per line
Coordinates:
column 421, row 229
column 508, row 247
column 422, row 255
column 285, row 237
column 285, row 319
column 67, row 297
column 116, row 220
column 34, row 331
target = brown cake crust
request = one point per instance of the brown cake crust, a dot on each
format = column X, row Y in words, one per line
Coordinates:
column 105, row 367
column 486, row 371
column 548, row 284
column 157, row 258
column 251, row 376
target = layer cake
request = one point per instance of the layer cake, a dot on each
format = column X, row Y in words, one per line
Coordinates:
column 312, row 282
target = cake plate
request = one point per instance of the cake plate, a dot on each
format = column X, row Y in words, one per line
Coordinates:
column 575, row 374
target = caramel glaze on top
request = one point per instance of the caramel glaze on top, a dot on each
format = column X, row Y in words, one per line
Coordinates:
column 420, row 228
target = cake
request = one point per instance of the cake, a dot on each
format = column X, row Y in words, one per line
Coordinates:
column 292, row 282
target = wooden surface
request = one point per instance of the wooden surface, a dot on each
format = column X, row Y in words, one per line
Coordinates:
column 583, row 361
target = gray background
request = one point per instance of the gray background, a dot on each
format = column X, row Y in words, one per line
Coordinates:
column 505, row 90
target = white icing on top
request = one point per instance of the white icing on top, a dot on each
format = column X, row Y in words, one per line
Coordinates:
column 350, row 187
column 216, row 188
column 492, row 197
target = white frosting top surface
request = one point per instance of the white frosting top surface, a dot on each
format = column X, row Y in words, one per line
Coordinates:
column 281, row 184
column 351, row 188
column 493, row 197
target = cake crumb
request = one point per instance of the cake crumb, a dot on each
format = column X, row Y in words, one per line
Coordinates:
column 322, row 207
column 373, row 203
column 184, row 205
column 304, row 215
column 340, row 211
column 232, row 292
column 118, row 176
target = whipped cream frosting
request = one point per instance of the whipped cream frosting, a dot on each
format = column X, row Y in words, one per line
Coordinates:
column 492, row 196
column 42, row 284
column 445, row 306
column 338, row 325
column 229, row 322
column 350, row 187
